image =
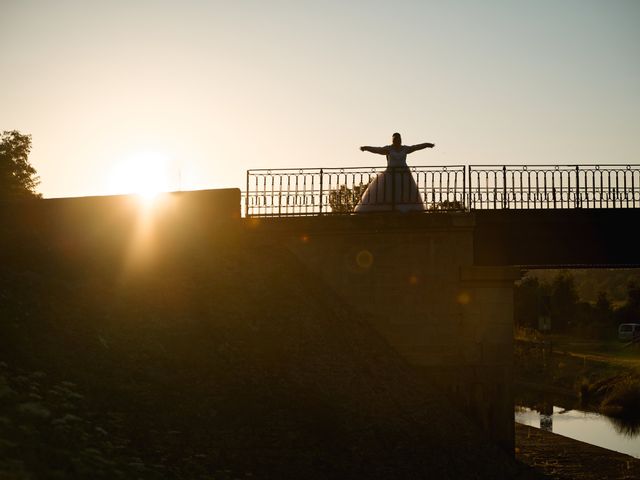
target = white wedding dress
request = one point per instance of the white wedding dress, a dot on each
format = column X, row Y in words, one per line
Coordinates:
column 394, row 189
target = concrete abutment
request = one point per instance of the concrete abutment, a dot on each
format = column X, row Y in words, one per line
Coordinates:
column 414, row 277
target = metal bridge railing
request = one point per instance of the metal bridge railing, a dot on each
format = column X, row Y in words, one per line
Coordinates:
column 553, row 186
column 327, row 191
column 330, row 191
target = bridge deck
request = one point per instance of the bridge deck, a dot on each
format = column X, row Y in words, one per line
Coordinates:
column 557, row 238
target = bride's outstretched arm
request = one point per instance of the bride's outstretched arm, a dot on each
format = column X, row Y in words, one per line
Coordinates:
column 378, row 150
column 420, row 146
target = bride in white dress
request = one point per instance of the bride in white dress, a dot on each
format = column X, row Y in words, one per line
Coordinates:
column 384, row 194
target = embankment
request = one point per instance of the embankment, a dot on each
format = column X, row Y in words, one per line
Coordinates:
column 596, row 382
column 175, row 350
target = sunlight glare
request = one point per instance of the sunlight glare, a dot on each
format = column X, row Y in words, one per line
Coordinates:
column 145, row 174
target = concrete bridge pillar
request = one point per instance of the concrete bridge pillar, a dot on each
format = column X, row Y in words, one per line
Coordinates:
column 480, row 377
column 413, row 277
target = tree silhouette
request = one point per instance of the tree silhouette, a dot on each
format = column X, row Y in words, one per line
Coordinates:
column 630, row 311
column 564, row 299
column 445, row 205
column 344, row 199
column 18, row 178
column 602, row 309
column 530, row 302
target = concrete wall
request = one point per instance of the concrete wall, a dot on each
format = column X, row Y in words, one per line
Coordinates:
column 413, row 276
column 111, row 219
column 111, row 234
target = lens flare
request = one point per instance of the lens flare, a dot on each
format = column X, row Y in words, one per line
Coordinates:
column 364, row 259
column 463, row 298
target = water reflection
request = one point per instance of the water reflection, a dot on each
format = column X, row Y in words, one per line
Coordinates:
column 546, row 422
column 587, row 427
column 546, row 416
column 629, row 427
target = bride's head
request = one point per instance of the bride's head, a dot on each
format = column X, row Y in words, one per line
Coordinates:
column 396, row 139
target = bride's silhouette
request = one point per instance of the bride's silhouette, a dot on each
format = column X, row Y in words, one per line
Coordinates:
column 394, row 189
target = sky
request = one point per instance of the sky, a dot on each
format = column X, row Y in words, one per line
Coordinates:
column 183, row 95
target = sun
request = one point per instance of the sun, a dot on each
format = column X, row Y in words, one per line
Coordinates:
column 144, row 173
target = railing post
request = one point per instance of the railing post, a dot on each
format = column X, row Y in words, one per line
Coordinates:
column 504, row 186
column 246, row 198
column 633, row 188
column 321, row 176
column 577, row 186
column 280, row 193
column 470, row 181
column 464, row 185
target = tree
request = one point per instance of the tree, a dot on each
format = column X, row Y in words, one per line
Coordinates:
column 18, row 178
column 345, row 199
column 529, row 302
column 564, row 300
column 603, row 310
column 630, row 311
column 633, row 296
column 445, row 205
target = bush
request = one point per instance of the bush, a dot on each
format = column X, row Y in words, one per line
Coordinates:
column 623, row 399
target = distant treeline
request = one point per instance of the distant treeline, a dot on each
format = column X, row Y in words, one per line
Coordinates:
column 590, row 283
column 587, row 302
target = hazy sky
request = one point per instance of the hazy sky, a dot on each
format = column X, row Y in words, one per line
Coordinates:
column 193, row 93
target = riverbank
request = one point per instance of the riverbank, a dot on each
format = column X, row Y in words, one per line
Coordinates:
column 603, row 377
column 564, row 458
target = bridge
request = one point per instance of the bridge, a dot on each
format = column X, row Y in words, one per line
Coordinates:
column 437, row 282
column 533, row 216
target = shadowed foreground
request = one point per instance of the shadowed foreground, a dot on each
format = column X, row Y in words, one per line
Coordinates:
column 215, row 356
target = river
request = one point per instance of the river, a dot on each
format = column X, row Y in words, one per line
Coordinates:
column 588, row 427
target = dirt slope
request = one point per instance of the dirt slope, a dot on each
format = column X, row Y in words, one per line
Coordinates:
column 221, row 358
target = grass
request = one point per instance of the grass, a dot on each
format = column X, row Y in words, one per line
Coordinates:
column 609, row 351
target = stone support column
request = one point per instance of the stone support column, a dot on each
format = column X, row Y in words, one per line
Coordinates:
column 413, row 277
column 486, row 308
